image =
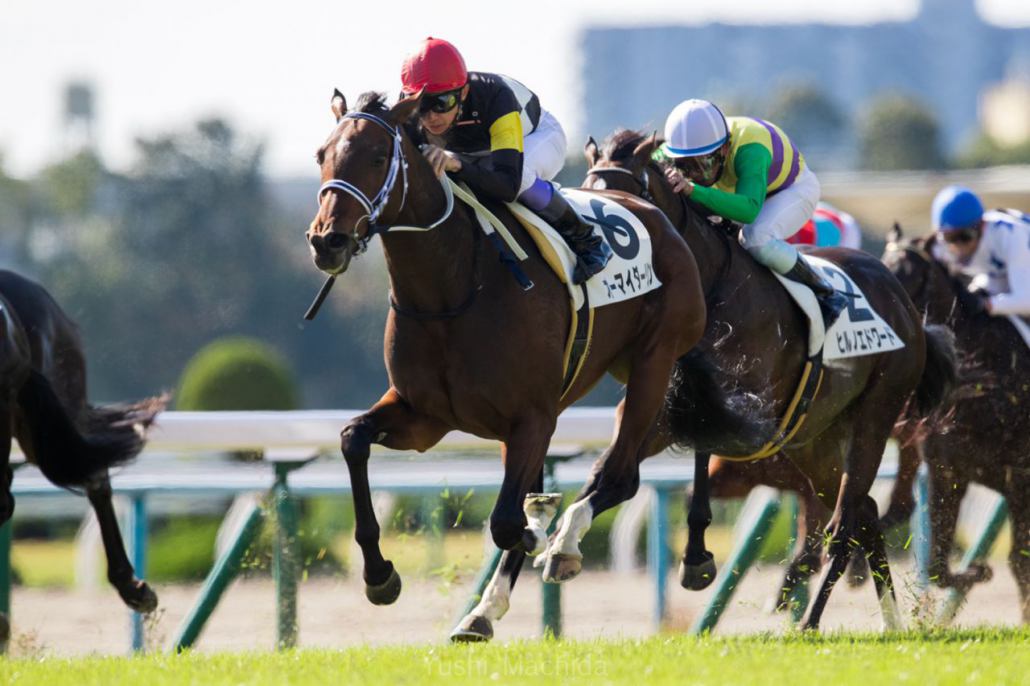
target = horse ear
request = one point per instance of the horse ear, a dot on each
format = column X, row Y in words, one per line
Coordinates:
column 895, row 233
column 338, row 104
column 406, row 108
column 591, row 152
column 642, row 153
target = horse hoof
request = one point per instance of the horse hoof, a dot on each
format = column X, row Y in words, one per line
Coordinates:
column 562, row 567
column 140, row 597
column 697, row 577
column 387, row 592
column 473, row 629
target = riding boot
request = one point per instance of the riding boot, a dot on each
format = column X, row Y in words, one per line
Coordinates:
column 592, row 251
column 831, row 302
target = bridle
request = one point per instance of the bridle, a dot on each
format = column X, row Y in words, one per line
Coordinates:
column 643, row 180
column 374, row 206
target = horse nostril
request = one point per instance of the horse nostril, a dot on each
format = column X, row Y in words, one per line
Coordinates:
column 336, row 241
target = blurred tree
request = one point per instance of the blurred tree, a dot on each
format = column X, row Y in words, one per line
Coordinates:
column 15, row 218
column 814, row 123
column 898, row 132
column 237, row 373
column 984, row 151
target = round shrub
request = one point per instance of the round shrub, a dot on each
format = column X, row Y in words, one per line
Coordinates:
column 237, row 374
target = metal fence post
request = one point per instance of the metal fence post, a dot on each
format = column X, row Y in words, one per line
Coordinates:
column 920, row 524
column 551, row 593
column 658, row 551
column 284, row 561
column 138, row 526
column 222, row 574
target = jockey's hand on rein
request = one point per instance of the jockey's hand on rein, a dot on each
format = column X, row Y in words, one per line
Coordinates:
column 679, row 182
column 440, row 160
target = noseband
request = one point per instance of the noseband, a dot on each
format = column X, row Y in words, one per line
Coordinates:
column 374, row 207
column 643, row 180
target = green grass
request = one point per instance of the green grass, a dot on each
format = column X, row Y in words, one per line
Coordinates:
column 983, row 656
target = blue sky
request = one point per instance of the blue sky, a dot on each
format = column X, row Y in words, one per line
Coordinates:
column 160, row 66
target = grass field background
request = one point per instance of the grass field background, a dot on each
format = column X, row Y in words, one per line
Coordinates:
column 978, row 656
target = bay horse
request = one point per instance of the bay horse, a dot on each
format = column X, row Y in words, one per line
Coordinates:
column 756, row 341
column 985, row 437
column 73, row 443
column 468, row 349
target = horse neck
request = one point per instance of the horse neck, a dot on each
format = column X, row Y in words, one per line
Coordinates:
column 430, row 271
column 711, row 250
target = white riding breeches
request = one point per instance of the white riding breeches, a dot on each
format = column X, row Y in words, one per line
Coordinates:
column 782, row 215
column 543, row 151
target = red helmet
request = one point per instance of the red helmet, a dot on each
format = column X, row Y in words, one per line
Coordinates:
column 436, row 66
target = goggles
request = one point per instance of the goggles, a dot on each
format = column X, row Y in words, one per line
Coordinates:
column 440, row 102
column 960, row 237
column 700, row 167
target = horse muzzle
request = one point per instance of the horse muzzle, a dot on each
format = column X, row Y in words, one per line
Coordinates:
column 332, row 251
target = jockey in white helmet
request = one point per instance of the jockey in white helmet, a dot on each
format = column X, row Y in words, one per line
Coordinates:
column 748, row 171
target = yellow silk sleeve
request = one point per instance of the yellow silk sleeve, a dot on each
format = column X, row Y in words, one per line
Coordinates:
column 506, row 133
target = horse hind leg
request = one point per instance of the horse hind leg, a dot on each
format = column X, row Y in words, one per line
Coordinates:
column 1019, row 555
column 870, row 535
column 697, row 568
column 134, row 592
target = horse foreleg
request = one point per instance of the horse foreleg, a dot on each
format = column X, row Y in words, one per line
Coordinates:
column 393, row 423
column 616, row 475
column 697, row 568
column 870, row 535
column 135, row 592
column 946, row 489
column 808, row 550
column 523, row 452
column 477, row 625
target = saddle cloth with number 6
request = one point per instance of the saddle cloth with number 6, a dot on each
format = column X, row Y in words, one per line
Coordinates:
column 630, row 272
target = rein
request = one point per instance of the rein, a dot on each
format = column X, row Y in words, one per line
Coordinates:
column 643, row 180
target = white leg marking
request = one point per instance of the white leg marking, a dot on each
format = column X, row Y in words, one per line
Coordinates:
column 574, row 525
column 891, row 614
column 540, row 509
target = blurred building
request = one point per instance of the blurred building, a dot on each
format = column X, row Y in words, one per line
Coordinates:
column 946, row 56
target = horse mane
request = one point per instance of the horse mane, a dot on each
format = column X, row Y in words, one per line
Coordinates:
column 621, row 144
column 372, row 102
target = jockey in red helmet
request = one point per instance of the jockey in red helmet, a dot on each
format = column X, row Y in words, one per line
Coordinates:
column 489, row 131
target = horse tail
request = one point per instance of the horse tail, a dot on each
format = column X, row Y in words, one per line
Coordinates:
column 67, row 456
column 700, row 414
column 940, row 374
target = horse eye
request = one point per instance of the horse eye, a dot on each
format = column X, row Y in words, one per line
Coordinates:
column 379, row 161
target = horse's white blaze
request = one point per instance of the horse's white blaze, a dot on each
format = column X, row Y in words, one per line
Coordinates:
column 891, row 614
column 575, row 523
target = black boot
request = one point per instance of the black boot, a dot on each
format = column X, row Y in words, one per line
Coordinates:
column 592, row 251
column 831, row 302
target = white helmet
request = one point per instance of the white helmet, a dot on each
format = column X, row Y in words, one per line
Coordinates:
column 694, row 127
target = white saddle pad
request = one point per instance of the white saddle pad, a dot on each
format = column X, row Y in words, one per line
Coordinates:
column 858, row 331
column 629, row 273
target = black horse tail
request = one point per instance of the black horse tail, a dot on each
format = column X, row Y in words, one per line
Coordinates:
column 110, row 436
column 700, row 414
column 940, row 375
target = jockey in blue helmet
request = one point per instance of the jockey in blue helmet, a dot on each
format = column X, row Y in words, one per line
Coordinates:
column 992, row 247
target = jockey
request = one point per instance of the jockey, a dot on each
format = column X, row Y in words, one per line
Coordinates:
column 748, row 171
column 489, row 131
column 829, row 228
column 993, row 247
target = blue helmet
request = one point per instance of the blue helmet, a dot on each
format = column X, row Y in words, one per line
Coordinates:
column 956, row 207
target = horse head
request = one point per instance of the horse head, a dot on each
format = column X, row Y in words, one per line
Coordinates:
column 621, row 163
column 933, row 289
column 364, row 165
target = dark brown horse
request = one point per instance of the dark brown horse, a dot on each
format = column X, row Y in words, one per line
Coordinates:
column 43, row 378
column 467, row 348
column 755, row 340
column 985, row 438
